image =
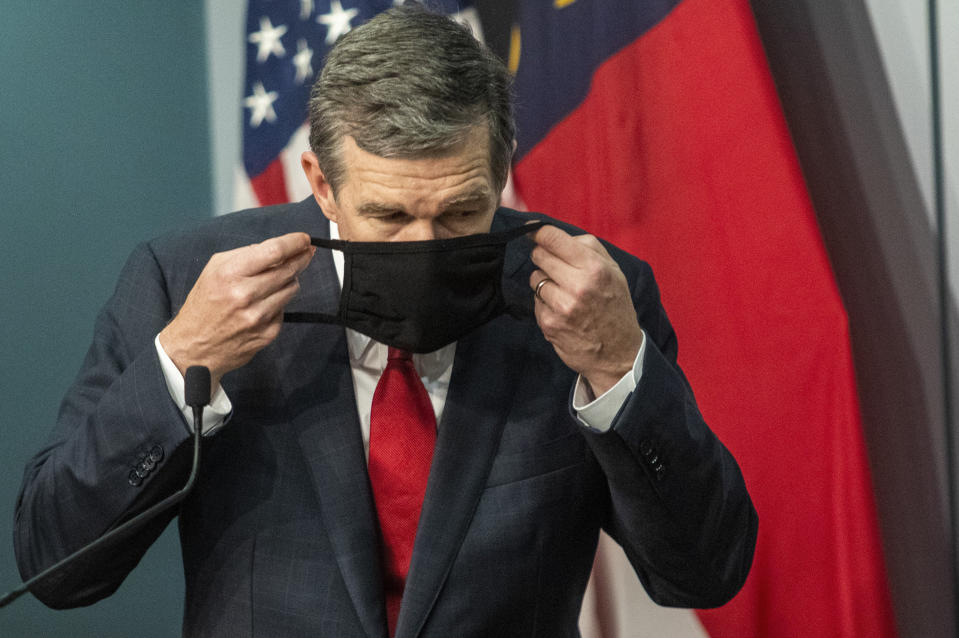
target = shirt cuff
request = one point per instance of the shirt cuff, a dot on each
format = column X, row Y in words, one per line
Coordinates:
column 599, row 413
column 215, row 414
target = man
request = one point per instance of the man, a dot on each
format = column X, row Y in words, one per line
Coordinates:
column 549, row 424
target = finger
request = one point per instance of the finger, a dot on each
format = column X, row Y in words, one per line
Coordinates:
column 551, row 323
column 557, row 269
column 590, row 242
column 300, row 261
column 255, row 319
column 591, row 271
column 292, row 266
column 272, row 305
column 271, row 253
column 571, row 248
column 559, row 243
column 550, row 293
column 266, row 283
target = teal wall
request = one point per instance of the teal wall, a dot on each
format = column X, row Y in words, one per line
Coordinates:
column 103, row 143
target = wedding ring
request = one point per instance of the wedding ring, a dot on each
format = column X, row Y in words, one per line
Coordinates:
column 542, row 282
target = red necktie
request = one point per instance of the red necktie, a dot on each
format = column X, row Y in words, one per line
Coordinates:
column 402, row 435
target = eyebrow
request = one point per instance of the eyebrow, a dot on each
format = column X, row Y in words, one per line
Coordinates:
column 375, row 208
column 478, row 194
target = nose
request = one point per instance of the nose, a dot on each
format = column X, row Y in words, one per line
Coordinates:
column 421, row 230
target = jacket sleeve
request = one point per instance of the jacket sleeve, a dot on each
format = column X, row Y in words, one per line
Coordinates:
column 678, row 502
column 120, row 445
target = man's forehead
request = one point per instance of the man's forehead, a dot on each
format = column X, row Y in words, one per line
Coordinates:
column 468, row 158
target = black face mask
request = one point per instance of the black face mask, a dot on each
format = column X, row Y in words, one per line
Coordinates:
column 421, row 295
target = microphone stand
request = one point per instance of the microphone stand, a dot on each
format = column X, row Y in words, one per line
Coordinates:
column 197, row 390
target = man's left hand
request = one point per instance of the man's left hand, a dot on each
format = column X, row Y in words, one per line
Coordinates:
column 584, row 308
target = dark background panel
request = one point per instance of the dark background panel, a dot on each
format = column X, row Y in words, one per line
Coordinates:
column 103, row 143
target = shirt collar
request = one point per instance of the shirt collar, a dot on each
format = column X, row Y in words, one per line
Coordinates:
column 359, row 343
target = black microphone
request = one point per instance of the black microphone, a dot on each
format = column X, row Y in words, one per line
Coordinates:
column 196, row 384
column 197, row 394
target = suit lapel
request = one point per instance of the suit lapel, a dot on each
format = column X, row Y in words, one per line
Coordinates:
column 487, row 364
column 323, row 411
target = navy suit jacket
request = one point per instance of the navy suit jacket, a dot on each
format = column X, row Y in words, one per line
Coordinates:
column 279, row 537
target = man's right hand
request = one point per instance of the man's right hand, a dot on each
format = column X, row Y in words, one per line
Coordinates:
column 235, row 309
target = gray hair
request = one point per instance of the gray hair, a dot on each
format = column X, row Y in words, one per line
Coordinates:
column 410, row 84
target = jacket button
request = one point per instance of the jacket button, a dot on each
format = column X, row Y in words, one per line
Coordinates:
column 660, row 472
column 134, row 479
column 156, row 453
column 646, row 447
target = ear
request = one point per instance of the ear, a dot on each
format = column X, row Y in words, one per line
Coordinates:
column 322, row 191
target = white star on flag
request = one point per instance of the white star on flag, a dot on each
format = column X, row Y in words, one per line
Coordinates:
column 267, row 40
column 337, row 21
column 306, row 8
column 303, row 61
column 260, row 105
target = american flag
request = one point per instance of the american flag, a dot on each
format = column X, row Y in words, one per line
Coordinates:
column 287, row 42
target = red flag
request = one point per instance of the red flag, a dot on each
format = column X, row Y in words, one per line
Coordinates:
column 656, row 125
